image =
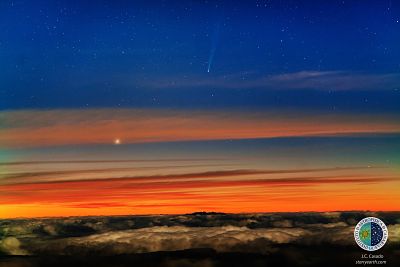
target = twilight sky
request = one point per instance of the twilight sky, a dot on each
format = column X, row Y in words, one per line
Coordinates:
column 138, row 107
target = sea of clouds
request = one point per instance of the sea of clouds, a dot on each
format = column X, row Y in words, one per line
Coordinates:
column 245, row 233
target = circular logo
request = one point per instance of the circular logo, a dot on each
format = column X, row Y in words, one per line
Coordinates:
column 371, row 233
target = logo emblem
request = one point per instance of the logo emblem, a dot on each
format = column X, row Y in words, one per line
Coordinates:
column 371, row 233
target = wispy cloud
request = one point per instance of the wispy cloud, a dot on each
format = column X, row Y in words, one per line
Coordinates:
column 317, row 80
column 102, row 126
column 50, row 177
column 187, row 190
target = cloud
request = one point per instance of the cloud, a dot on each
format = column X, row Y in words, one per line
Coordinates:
column 85, row 190
column 48, row 177
column 101, row 161
column 262, row 233
column 38, row 128
column 72, row 189
column 11, row 246
column 317, row 80
column 164, row 238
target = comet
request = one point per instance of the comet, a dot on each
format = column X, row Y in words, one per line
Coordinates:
column 214, row 44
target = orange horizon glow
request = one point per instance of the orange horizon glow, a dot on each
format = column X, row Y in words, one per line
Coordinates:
column 10, row 212
column 235, row 191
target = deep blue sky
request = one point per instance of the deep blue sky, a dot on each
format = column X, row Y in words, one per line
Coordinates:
column 323, row 55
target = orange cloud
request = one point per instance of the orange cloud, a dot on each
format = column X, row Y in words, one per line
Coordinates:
column 179, row 185
column 50, row 177
column 227, row 190
column 32, row 128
